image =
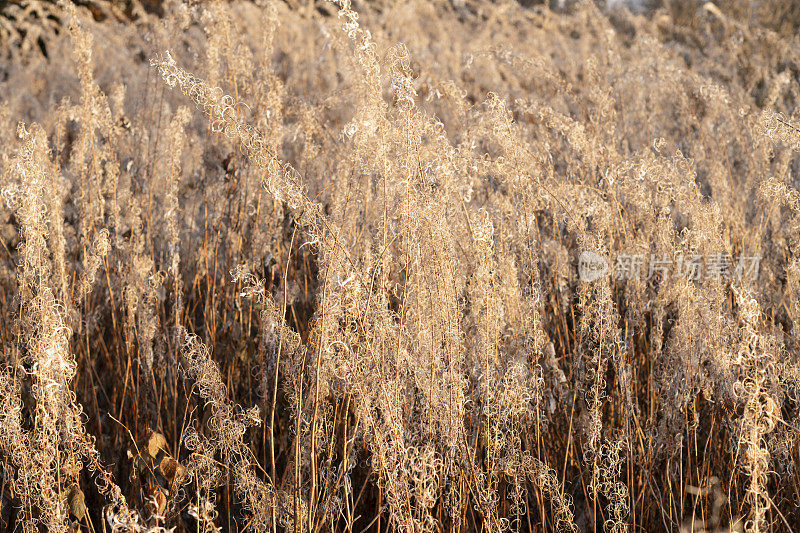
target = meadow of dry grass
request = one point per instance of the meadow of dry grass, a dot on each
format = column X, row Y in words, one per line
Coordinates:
column 313, row 266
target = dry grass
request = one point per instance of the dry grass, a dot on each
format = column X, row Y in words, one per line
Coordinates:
column 291, row 267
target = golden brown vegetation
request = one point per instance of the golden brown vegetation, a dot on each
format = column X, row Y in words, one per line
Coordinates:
column 276, row 266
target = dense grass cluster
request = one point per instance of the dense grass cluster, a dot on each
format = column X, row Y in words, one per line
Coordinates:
column 308, row 266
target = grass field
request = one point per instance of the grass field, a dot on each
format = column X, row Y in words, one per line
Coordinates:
column 403, row 267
